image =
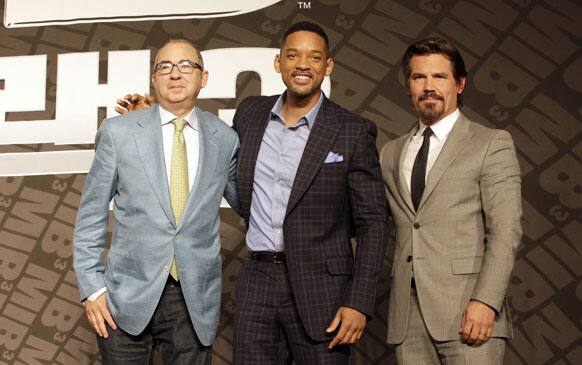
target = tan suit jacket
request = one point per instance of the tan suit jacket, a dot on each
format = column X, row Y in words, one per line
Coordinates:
column 463, row 239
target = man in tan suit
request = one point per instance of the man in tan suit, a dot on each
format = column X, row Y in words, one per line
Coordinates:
column 454, row 190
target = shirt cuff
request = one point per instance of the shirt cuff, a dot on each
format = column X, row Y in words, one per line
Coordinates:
column 482, row 302
column 97, row 294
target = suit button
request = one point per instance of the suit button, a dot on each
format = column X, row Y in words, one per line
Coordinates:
column 409, row 258
column 416, row 225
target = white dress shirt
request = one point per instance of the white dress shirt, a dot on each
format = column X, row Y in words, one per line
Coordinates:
column 441, row 130
column 191, row 136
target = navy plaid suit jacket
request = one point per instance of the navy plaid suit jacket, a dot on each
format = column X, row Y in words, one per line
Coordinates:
column 329, row 204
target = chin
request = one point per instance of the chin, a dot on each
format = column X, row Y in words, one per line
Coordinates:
column 302, row 93
column 430, row 114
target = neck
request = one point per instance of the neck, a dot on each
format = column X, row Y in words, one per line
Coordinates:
column 296, row 107
column 180, row 110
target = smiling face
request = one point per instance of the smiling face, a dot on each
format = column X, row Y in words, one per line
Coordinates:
column 303, row 63
column 178, row 90
column 432, row 87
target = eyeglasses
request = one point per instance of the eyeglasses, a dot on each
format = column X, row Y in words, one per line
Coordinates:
column 185, row 67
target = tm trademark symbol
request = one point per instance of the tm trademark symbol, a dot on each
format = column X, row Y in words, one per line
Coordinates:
column 304, row 4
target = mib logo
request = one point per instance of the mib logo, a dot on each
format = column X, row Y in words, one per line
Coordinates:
column 34, row 13
column 79, row 95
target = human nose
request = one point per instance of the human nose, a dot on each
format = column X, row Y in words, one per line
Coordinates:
column 302, row 62
column 175, row 72
column 429, row 84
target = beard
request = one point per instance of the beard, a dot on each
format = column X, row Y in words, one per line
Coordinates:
column 430, row 113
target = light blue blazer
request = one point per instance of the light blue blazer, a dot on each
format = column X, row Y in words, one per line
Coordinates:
column 129, row 168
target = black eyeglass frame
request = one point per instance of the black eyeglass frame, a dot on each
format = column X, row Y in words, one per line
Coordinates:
column 194, row 65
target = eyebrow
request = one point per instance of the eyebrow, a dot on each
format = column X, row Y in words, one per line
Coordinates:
column 182, row 60
column 418, row 73
column 311, row 51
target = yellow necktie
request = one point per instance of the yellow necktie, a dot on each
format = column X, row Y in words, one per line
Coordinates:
column 179, row 189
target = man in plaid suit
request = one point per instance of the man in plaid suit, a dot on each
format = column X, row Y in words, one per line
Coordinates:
column 308, row 180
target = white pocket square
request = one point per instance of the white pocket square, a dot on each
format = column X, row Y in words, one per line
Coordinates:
column 333, row 157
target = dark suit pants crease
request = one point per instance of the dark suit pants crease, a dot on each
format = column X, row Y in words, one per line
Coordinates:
column 420, row 348
column 267, row 327
column 170, row 331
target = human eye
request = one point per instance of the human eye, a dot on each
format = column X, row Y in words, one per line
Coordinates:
column 186, row 67
column 163, row 67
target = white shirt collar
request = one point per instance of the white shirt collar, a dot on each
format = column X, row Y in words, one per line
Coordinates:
column 166, row 117
column 443, row 127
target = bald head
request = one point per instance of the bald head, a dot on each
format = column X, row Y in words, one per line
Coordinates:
column 182, row 41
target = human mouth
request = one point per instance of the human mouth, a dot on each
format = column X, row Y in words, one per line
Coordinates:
column 301, row 77
column 430, row 97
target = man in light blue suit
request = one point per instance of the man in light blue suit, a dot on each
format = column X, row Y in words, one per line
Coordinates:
column 166, row 169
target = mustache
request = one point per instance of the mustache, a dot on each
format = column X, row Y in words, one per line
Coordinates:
column 430, row 94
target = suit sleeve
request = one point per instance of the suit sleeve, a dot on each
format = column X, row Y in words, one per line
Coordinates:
column 93, row 215
column 370, row 216
column 231, row 193
column 500, row 186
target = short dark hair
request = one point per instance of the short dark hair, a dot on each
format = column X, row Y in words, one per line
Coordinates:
column 308, row 27
column 436, row 45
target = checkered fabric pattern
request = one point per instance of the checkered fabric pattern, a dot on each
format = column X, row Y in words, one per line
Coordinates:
column 329, row 203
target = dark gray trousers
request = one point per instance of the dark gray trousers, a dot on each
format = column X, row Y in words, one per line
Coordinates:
column 170, row 332
column 267, row 326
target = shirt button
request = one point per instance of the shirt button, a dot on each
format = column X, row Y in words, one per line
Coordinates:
column 416, row 225
column 166, row 268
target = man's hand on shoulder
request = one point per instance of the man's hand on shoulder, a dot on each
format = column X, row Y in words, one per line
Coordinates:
column 98, row 314
column 130, row 103
column 477, row 324
column 351, row 326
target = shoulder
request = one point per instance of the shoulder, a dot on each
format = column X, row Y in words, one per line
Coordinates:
column 346, row 118
column 391, row 144
column 486, row 133
column 127, row 121
column 120, row 126
column 257, row 102
column 390, row 148
column 251, row 109
column 220, row 126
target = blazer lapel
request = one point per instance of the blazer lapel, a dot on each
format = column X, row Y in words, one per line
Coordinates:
column 403, row 189
column 251, row 142
column 207, row 152
column 456, row 141
column 148, row 140
column 319, row 143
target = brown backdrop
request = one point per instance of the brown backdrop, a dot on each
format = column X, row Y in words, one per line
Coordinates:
column 525, row 75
